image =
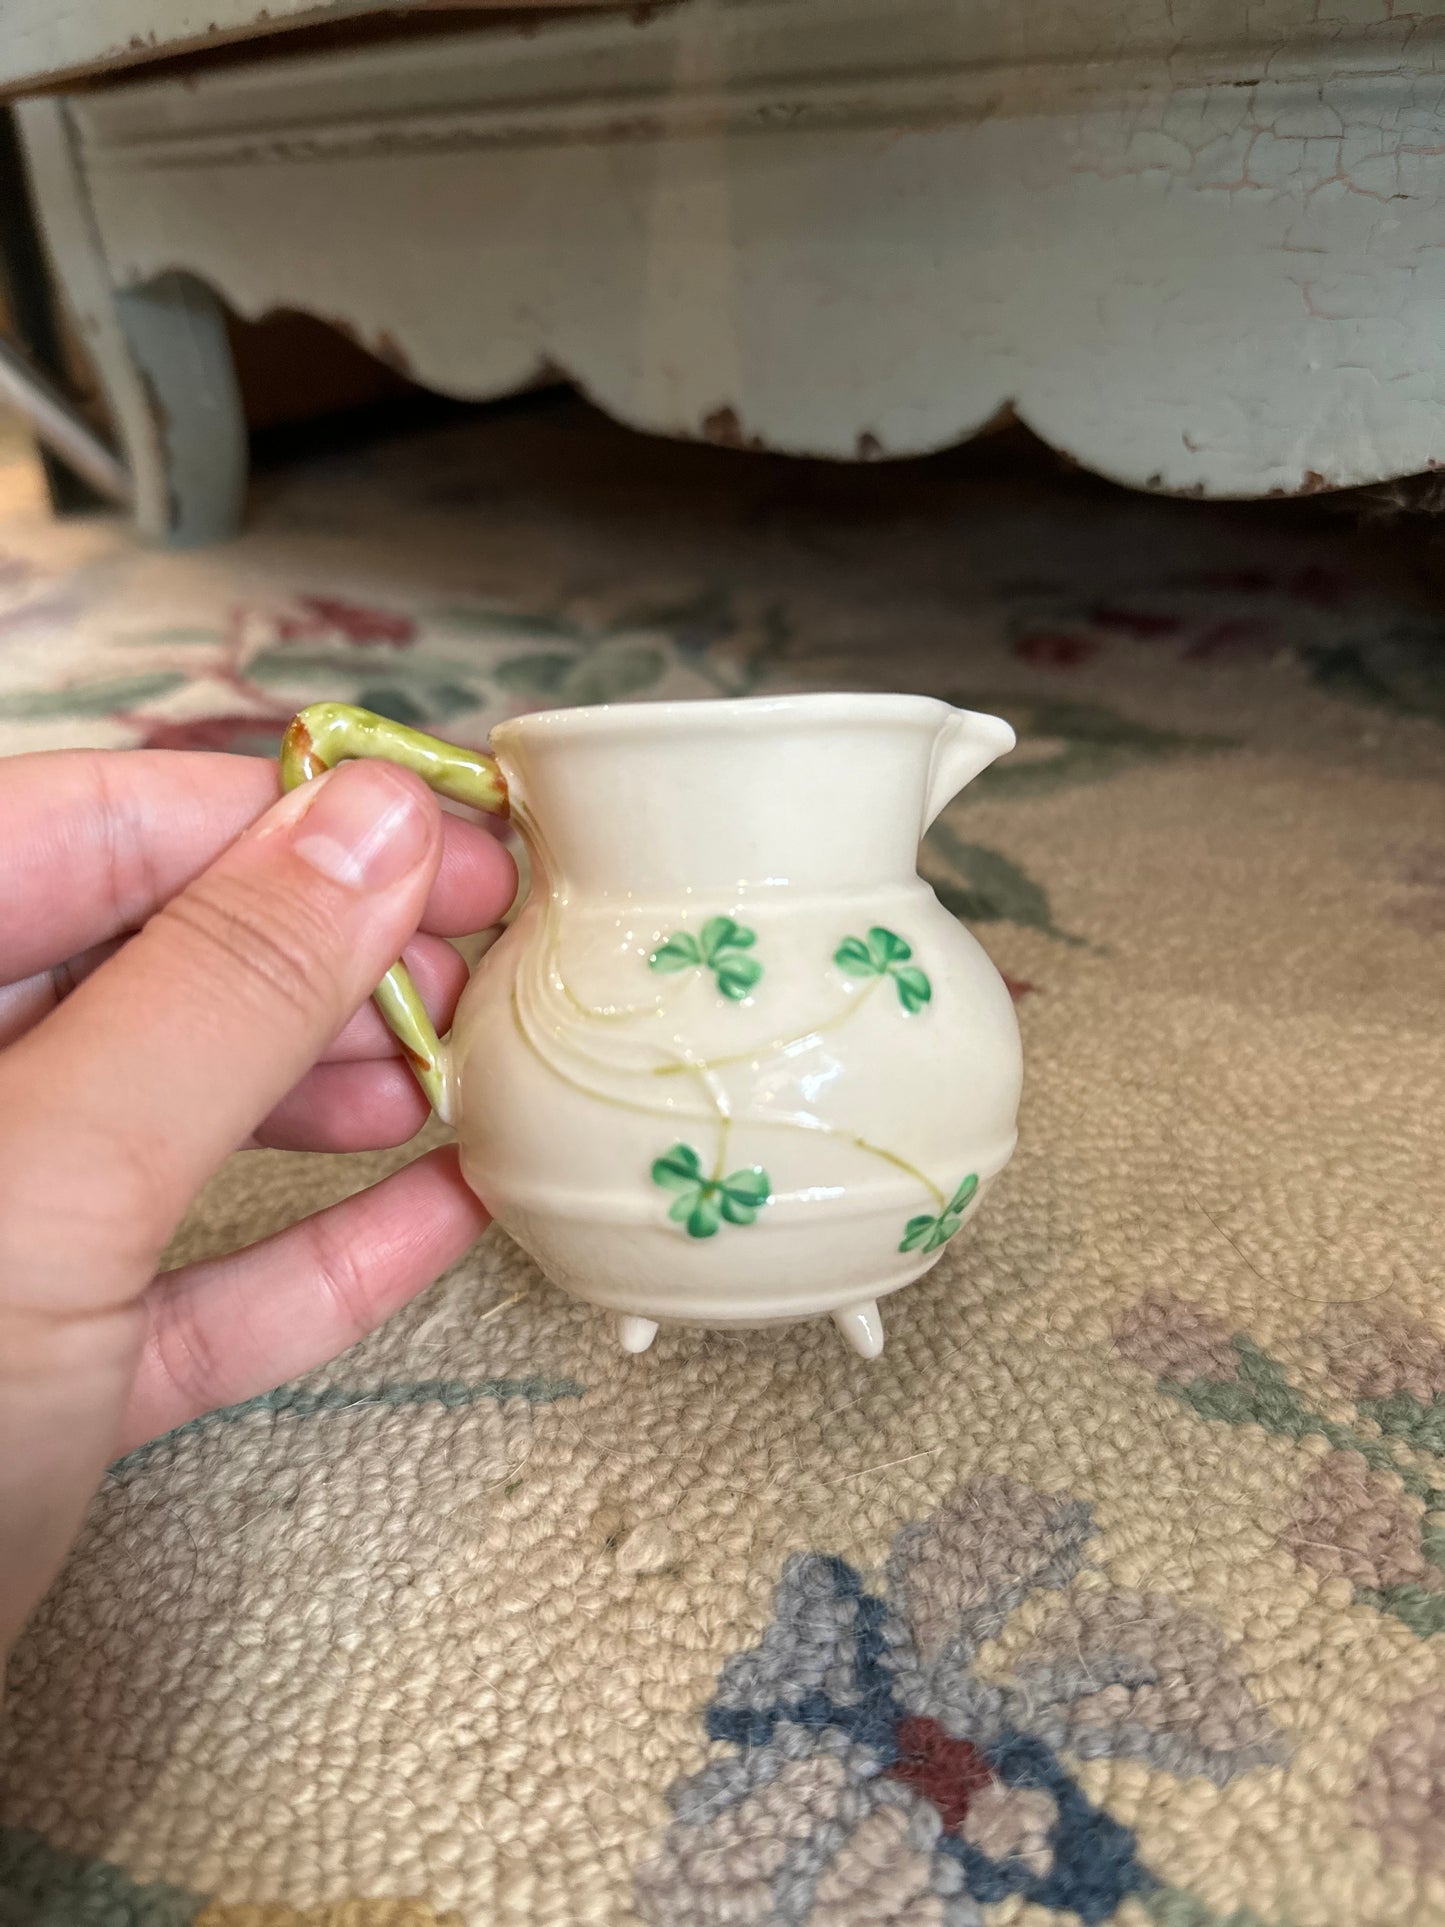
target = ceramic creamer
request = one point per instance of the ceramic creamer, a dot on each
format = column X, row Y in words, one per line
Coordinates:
column 732, row 1063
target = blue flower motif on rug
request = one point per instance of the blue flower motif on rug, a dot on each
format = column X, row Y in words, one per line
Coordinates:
column 878, row 1778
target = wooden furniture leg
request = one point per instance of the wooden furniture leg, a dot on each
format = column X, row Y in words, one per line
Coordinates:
column 160, row 350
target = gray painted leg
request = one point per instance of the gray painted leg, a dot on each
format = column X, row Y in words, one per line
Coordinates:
column 176, row 331
column 161, row 353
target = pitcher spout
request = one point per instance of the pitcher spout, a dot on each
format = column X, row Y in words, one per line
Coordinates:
column 967, row 742
column 825, row 791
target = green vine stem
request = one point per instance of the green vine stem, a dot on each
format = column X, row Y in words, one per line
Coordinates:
column 548, row 971
column 330, row 733
column 326, row 734
column 777, row 1046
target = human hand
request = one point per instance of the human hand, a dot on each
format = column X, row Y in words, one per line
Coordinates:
column 182, row 975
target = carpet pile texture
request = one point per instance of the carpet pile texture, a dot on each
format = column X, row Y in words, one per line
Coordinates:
column 1115, row 1590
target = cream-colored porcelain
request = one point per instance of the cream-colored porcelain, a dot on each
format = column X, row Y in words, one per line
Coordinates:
column 734, row 1064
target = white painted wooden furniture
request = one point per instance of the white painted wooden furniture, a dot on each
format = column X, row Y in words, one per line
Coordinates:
column 44, row 41
column 1197, row 245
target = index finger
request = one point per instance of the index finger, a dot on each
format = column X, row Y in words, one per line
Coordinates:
column 97, row 840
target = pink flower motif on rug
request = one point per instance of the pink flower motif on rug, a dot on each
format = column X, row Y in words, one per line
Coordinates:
column 1177, row 1340
column 1056, row 648
column 1375, row 1350
column 1364, row 1513
column 1401, row 1793
column 1360, row 1525
column 313, row 617
column 1422, row 906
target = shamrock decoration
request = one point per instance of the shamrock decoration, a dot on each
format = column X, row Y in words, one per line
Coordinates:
column 702, row 1203
column 885, row 955
column 720, row 946
column 927, row 1233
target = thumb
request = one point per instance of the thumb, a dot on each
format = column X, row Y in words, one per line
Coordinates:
column 160, row 1064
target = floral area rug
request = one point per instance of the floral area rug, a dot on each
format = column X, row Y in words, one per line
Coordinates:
column 1115, row 1590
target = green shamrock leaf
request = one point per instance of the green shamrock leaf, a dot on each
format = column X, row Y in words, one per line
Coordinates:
column 887, row 947
column 744, row 1194
column 721, row 945
column 702, row 1203
column 963, row 1196
column 929, row 1233
column 918, row 1232
column 680, row 952
column 736, row 976
column 678, row 1168
column 703, row 1215
column 885, row 954
column 914, row 989
column 722, row 933
column 854, row 959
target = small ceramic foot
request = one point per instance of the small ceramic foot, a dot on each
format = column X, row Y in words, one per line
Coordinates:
column 862, row 1327
column 636, row 1334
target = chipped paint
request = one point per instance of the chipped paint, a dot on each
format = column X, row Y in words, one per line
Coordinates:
column 389, row 351
column 45, row 41
column 1196, row 261
column 724, row 427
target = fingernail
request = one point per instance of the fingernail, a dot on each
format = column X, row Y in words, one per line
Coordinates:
column 366, row 828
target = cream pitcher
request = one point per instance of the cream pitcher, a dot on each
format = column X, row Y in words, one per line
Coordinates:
column 733, row 1063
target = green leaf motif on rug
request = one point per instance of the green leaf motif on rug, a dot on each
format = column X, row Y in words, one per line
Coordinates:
column 90, row 698
column 421, row 690
column 482, row 619
column 601, row 673
column 46, row 1886
column 1417, row 1607
column 1260, row 1394
column 1172, row 1907
column 883, row 953
column 422, row 707
column 721, row 946
column 172, row 639
column 1080, row 743
column 1402, row 1416
column 980, row 885
column 294, row 1401
column 1400, row 667
column 620, row 656
column 540, row 674
column 702, row 1204
column 318, row 671
column 607, row 674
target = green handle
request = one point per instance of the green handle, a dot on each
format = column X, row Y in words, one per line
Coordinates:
column 330, row 733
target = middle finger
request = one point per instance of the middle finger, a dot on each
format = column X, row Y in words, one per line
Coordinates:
column 437, row 970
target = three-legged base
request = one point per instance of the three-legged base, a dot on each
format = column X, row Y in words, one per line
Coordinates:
column 636, row 1334
column 860, row 1324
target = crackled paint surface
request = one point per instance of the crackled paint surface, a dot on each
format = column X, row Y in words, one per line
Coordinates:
column 1196, row 260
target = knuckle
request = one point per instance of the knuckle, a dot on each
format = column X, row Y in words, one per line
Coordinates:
column 127, row 872
column 185, row 1359
column 251, row 938
column 341, row 1281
